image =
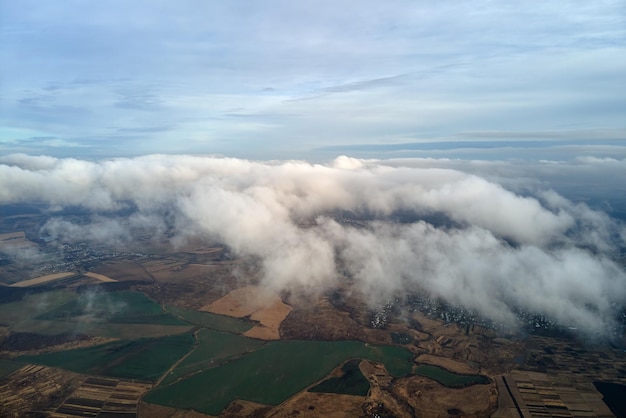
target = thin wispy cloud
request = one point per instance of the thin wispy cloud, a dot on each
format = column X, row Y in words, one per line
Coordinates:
column 370, row 73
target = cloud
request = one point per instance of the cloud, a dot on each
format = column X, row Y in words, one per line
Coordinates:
column 450, row 233
column 370, row 73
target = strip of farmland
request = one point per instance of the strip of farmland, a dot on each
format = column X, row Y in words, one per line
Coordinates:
column 44, row 279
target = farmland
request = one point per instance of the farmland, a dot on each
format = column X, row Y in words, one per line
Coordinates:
column 214, row 348
column 273, row 373
column 144, row 359
column 195, row 328
column 352, row 382
column 211, row 320
column 7, row 367
column 447, row 378
column 61, row 393
column 125, row 315
column 32, row 305
column 260, row 305
column 43, row 279
column 117, row 308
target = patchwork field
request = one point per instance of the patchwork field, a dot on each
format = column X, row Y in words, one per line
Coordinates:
column 104, row 398
column 211, row 320
column 273, row 373
column 251, row 353
column 258, row 304
column 35, row 387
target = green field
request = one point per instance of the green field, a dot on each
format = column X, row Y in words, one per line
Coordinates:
column 144, row 359
column 124, row 315
column 211, row 320
column 352, row 382
column 214, row 349
column 117, row 307
column 447, row 378
column 273, row 373
column 32, row 305
column 100, row 329
column 7, row 367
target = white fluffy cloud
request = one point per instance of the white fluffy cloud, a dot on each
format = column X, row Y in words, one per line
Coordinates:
column 498, row 250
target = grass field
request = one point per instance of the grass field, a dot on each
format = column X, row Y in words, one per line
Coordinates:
column 273, row 373
column 100, row 329
column 214, row 349
column 116, row 307
column 449, row 379
column 32, row 305
column 211, row 320
column 124, row 315
column 352, row 382
column 7, row 367
column 144, row 359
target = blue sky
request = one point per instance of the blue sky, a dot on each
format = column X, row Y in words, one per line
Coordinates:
column 314, row 79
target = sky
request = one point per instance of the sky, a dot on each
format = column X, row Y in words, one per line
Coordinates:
column 488, row 80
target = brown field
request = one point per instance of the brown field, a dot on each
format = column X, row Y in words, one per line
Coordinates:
column 100, row 277
column 259, row 304
column 240, row 408
column 173, row 270
column 319, row 319
column 269, row 319
column 210, row 250
column 446, row 363
column 434, row 400
column 147, row 410
column 380, row 397
column 309, row 404
column 103, row 396
column 12, row 235
column 539, row 394
column 123, row 271
column 44, row 279
column 36, row 388
column 560, row 381
column 188, row 285
column 15, row 240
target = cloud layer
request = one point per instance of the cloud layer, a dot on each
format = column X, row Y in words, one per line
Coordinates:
column 495, row 250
